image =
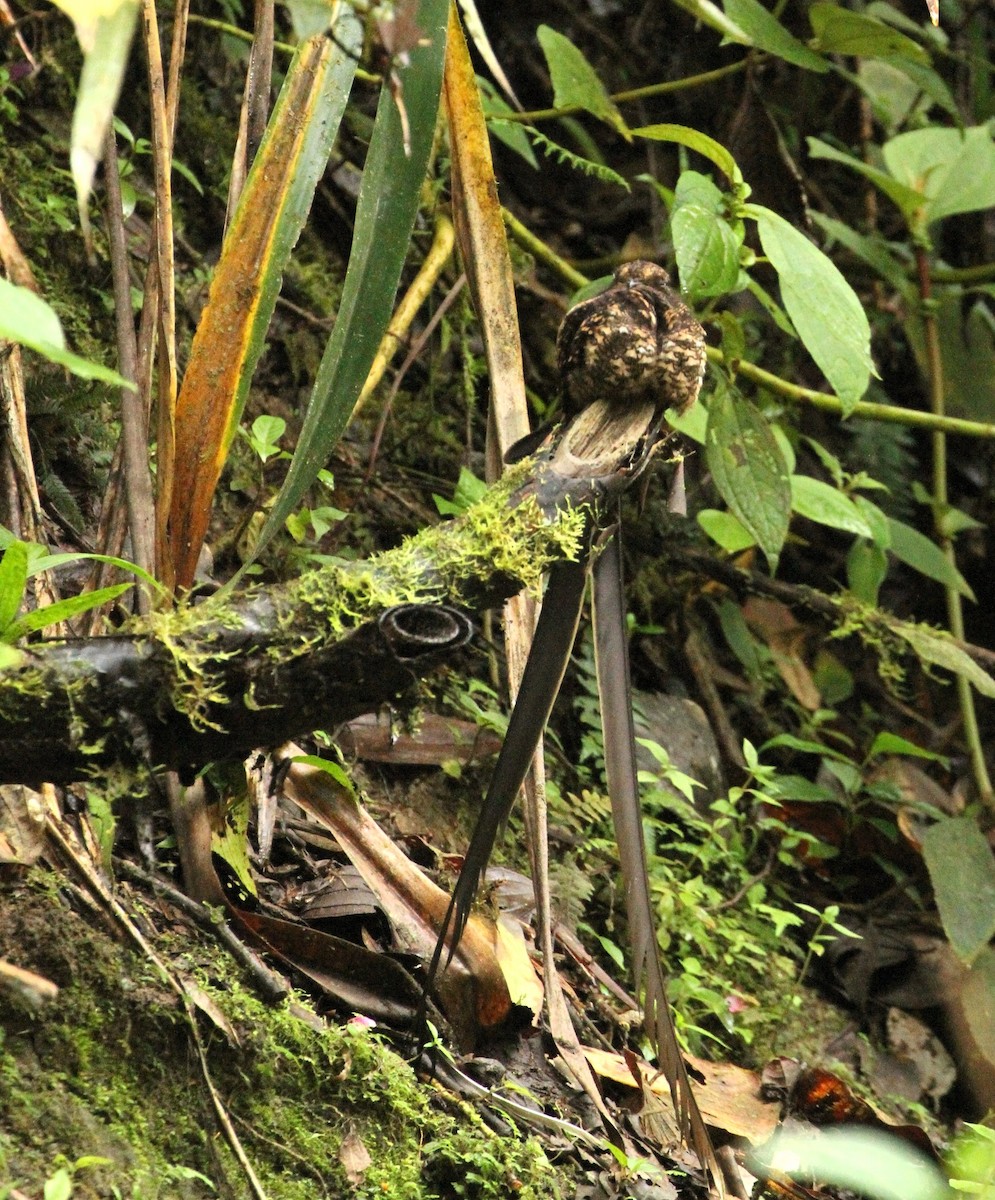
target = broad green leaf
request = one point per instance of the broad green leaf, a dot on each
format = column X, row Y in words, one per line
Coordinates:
column 953, row 171
column 748, row 469
column 693, row 423
column 938, row 650
column 767, row 33
column 695, row 188
column 104, row 29
column 575, row 81
column 918, row 552
column 695, row 140
column 871, row 1163
column 64, row 610
column 866, row 569
column 266, row 224
column 706, row 249
column 908, row 199
column 873, row 249
column 962, row 871
column 726, row 530
column 13, row 580
column 838, row 30
column 896, row 88
column 824, row 309
column 385, row 214
column 891, row 743
column 827, row 505
column 26, row 319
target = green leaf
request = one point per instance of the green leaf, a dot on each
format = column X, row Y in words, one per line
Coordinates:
column 891, row 743
column 58, row 1186
column 330, row 768
column 385, row 215
column 824, row 309
column 962, row 872
column 938, row 649
column 749, row 469
column 726, row 530
column 876, row 519
column 908, row 199
column 767, row 33
column 827, row 505
column 953, row 171
column 575, row 81
column 64, row 610
column 510, row 133
column 873, row 249
column 838, row 30
column 918, row 552
column 13, row 580
column 867, row 1161
column 26, row 319
column 104, row 30
column 706, row 249
column 866, row 568
column 695, row 140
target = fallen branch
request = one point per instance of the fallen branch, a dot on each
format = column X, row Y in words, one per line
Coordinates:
column 212, row 681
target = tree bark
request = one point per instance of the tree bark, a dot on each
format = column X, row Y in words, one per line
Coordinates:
column 212, row 681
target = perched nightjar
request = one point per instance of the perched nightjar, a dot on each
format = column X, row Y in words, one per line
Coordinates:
column 636, row 342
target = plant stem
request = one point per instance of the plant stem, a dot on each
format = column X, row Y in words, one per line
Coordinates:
column 627, row 97
column 955, row 612
column 914, row 418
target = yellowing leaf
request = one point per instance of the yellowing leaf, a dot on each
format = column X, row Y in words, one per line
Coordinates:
column 230, row 337
column 482, row 240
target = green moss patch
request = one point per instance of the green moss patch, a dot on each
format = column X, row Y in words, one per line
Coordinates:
column 109, row 1070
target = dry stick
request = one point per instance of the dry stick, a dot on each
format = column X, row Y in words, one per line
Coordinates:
column 255, row 104
column 955, row 612
column 271, row 985
column 641, row 93
column 134, row 426
column 163, row 228
column 99, row 889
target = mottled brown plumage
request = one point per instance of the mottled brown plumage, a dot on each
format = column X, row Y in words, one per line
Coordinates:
column 636, row 342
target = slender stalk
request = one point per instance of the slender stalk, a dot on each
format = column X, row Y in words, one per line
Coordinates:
column 912, row 417
column 955, row 612
column 134, row 426
column 627, row 97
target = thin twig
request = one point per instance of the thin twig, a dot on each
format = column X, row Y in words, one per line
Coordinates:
column 890, row 413
column 270, row 985
column 955, row 612
column 113, row 908
column 629, row 96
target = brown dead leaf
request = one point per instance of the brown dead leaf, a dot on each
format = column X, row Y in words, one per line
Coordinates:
column 22, row 824
column 729, row 1097
column 354, row 1157
column 785, row 637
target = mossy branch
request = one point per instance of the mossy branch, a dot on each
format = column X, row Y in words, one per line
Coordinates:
column 213, row 681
